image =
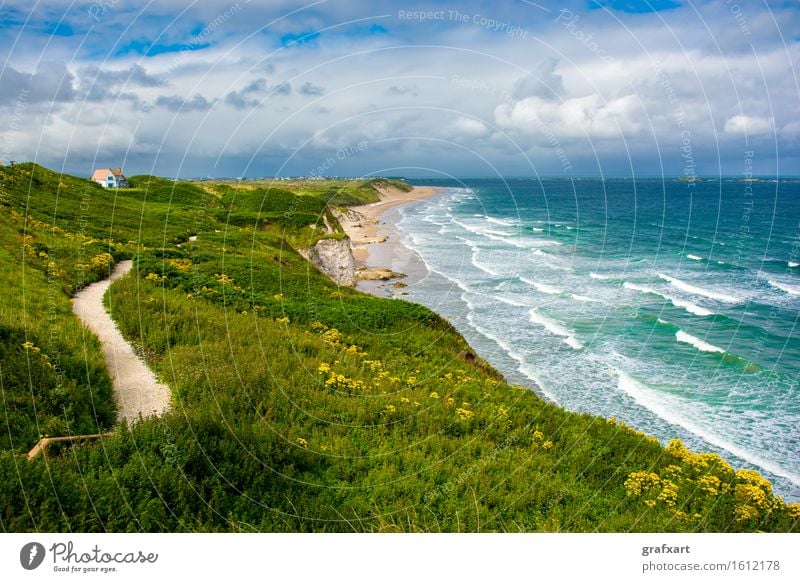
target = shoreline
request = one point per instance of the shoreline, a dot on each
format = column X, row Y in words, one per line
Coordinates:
column 384, row 265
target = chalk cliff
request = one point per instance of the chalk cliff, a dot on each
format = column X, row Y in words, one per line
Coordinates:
column 334, row 258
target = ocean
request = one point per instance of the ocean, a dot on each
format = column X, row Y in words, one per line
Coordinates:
column 672, row 306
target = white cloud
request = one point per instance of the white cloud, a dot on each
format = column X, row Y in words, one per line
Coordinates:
column 470, row 127
column 747, row 125
column 590, row 116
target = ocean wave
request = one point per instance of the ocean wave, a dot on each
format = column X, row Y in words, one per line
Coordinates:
column 491, row 232
column 792, row 264
column 790, row 289
column 500, row 221
column 599, row 277
column 694, row 257
column 686, row 338
column 585, row 299
column 555, row 328
column 541, row 287
column 508, row 301
column 694, row 290
column 503, row 237
column 478, row 265
column 531, row 374
column 534, row 229
column 681, row 303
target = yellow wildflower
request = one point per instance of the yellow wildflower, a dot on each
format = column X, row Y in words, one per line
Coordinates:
column 433, row 395
column 710, row 484
column 794, row 510
column 464, row 414
column 640, row 482
column 302, row 442
column 669, row 493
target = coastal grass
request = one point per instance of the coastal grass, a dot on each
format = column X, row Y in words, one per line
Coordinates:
column 298, row 405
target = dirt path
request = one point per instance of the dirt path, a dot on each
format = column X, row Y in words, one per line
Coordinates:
column 136, row 389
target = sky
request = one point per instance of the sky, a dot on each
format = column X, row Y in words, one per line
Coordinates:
column 437, row 89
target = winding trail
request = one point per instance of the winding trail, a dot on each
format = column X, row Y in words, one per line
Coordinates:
column 136, row 389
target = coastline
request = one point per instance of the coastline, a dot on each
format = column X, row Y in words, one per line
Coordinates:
column 384, row 265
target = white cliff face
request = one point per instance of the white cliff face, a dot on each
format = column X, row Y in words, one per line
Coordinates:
column 334, row 258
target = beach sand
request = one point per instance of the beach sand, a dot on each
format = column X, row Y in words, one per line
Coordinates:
column 384, row 265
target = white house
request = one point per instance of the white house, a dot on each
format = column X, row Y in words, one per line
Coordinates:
column 109, row 178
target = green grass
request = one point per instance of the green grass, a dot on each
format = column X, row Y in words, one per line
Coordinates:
column 297, row 405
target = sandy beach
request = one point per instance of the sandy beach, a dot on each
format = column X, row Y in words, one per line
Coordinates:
column 383, row 263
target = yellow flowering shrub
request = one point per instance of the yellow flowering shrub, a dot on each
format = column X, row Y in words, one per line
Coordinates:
column 100, row 263
column 794, row 510
column 641, row 482
column 183, row 265
column 710, row 484
column 669, row 493
column 226, row 281
column 464, row 414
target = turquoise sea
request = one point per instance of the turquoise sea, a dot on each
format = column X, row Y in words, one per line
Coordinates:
column 672, row 306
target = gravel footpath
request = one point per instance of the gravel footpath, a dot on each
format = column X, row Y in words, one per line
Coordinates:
column 136, row 390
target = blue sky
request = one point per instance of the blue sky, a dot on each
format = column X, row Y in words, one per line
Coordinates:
column 606, row 87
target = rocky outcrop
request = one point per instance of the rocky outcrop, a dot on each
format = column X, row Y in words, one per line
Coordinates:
column 334, row 258
column 365, row 273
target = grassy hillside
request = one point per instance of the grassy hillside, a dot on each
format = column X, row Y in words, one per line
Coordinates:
column 297, row 405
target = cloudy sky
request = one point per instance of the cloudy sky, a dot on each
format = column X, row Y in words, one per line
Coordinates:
column 359, row 87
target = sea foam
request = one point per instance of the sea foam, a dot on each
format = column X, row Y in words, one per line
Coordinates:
column 686, row 338
column 555, row 328
column 541, row 287
column 690, row 307
column 694, row 290
column 791, row 290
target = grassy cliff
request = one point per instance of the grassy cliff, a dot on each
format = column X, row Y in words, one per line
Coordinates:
column 297, row 405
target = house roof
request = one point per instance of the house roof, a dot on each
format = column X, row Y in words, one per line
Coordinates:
column 102, row 173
